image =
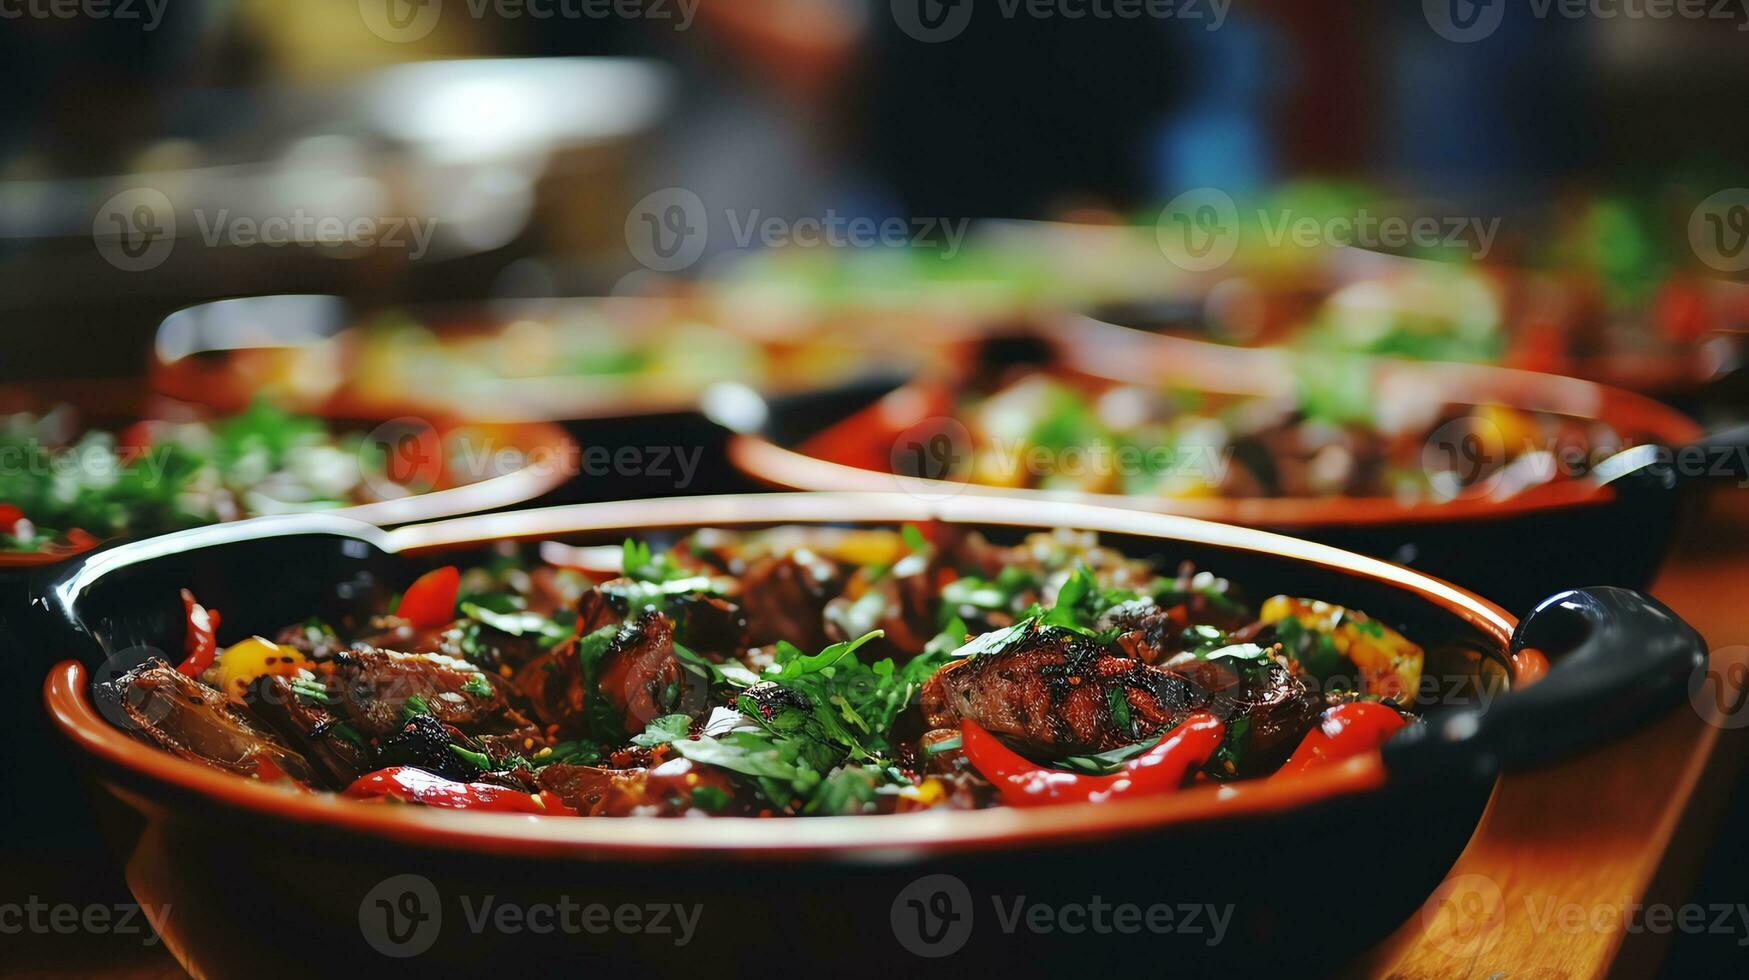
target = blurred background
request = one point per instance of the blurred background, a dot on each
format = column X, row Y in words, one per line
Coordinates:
column 757, row 196
column 509, row 142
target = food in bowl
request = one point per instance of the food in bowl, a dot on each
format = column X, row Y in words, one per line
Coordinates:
column 786, row 672
column 1053, row 431
column 542, row 360
column 69, row 486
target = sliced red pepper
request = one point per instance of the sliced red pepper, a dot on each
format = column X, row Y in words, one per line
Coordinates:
column 1161, row 769
column 412, row 785
column 200, row 643
column 1344, row 731
column 430, row 600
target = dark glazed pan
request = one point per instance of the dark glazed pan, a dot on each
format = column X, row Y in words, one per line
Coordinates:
column 1311, row 870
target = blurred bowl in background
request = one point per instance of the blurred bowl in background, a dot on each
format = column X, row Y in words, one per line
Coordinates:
column 929, row 439
column 104, row 451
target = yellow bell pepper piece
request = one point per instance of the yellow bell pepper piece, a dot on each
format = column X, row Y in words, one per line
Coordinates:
column 240, row 664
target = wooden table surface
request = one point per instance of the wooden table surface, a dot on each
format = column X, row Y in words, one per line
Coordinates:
column 1559, row 854
column 1539, row 890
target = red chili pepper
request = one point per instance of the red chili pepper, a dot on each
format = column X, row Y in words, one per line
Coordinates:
column 1344, row 731
column 418, row 786
column 199, row 644
column 430, row 600
column 1161, row 769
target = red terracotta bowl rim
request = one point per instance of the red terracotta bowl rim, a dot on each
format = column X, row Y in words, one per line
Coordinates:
column 1102, row 350
column 875, row 837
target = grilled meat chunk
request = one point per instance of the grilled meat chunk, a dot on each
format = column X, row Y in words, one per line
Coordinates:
column 668, row 789
column 373, row 686
column 902, row 605
column 332, row 747
column 168, row 708
column 425, row 742
column 1054, row 692
column 593, row 791
column 708, row 622
column 785, row 598
column 1280, row 709
column 641, row 677
column 553, row 681
column 1147, row 632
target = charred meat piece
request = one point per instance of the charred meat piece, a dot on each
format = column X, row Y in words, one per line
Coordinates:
column 641, row 677
column 593, row 791
column 373, row 686
column 1147, row 632
column 785, row 598
column 165, row 707
column 638, row 676
column 487, row 647
column 335, row 750
column 1276, row 703
column 1054, row 692
column 902, row 605
column 708, row 622
column 553, row 681
column 553, row 685
column 425, row 742
column 669, row 789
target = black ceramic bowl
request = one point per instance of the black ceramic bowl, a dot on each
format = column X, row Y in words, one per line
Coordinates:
column 1298, row 873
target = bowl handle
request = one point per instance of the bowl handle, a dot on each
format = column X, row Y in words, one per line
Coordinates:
column 1719, row 457
column 1617, row 658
